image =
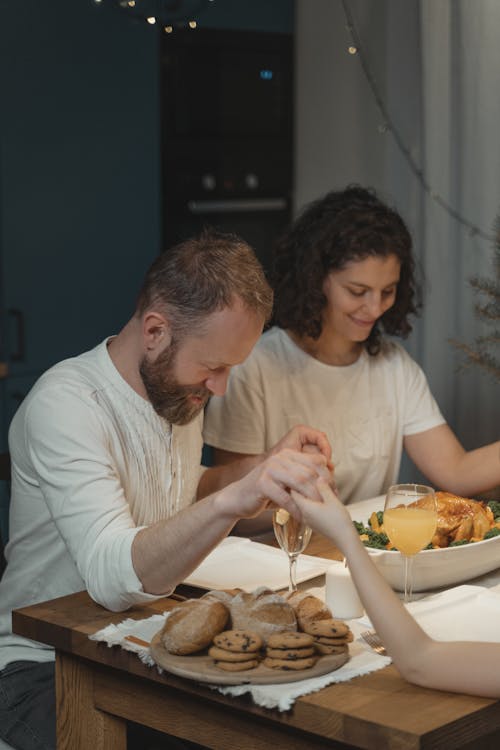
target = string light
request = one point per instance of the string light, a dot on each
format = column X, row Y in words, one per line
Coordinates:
column 170, row 14
column 388, row 125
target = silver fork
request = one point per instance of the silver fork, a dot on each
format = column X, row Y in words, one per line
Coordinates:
column 374, row 642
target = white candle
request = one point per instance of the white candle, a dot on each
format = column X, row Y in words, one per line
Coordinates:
column 340, row 593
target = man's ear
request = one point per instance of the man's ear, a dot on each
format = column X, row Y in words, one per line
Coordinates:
column 156, row 331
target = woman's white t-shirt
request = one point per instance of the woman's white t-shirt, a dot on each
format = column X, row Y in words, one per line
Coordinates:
column 365, row 408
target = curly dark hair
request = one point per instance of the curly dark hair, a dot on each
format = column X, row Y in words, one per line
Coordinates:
column 343, row 226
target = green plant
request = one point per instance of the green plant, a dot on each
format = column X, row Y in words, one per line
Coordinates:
column 485, row 350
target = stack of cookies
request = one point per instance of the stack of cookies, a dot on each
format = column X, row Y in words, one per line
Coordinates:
column 236, row 650
column 330, row 636
column 290, row 651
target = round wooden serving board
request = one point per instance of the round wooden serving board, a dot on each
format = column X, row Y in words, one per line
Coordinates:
column 201, row 667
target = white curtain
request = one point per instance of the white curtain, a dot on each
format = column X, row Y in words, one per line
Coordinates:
column 460, row 64
column 435, row 66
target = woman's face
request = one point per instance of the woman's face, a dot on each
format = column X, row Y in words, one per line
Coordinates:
column 358, row 295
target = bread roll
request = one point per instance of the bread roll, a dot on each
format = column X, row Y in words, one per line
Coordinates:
column 191, row 626
column 222, row 595
column 263, row 612
column 308, row 608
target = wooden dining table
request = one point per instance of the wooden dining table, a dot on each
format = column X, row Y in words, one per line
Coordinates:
column 100, row 688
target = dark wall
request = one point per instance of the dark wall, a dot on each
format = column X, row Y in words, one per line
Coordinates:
column 80, row 167
column 255, row 15
column 79, row 181
column 79, row 135
column 80, row 164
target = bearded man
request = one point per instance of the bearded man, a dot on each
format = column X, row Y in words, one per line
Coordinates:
column 108, row 493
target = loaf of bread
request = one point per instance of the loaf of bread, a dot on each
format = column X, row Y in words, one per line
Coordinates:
column 262, row 611
column 308, row 608
column 192, row 625
column 222, row 595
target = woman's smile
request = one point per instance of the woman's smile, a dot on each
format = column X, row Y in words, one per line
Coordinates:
column 363, row 323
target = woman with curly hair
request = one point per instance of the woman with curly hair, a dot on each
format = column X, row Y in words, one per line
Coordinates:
column 344, row 283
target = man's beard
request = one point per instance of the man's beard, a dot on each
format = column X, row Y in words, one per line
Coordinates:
column 168, row 398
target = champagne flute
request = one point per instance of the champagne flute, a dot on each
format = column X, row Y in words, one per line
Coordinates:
column 410, row 520
column 293, row 537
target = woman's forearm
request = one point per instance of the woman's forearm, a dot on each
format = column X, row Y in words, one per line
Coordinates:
column 441, row 457
column 390, row 619
column 455, row 666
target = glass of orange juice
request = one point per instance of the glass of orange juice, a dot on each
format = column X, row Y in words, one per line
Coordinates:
column 410, row 520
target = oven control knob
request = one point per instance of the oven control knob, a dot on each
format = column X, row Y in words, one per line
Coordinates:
column 208, row 182
column 251, row 181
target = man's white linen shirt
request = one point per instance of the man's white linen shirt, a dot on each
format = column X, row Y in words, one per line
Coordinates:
column 92, row 464
column 365, row 408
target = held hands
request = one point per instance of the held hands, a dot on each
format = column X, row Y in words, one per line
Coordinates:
column 277, row 478
column 327, row 515
column 294, row 465
column 308, row 440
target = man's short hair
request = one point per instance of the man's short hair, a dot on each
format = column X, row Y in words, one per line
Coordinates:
column 202, row 275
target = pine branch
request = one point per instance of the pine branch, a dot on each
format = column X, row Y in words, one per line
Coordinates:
column 475, row 357
column 491, row 338
column 487, row 312
column 480, row 352
column 486, row 286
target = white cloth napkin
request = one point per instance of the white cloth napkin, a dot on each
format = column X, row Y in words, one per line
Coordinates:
column 362, row 661
column 462, row 613
column 238, row 562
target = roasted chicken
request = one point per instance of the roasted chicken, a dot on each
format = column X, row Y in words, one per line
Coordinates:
column 458, row 518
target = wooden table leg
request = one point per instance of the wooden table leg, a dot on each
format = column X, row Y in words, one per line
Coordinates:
column 79, row 724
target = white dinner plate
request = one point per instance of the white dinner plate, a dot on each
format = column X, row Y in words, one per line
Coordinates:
column 432, row 568
column 238, row 562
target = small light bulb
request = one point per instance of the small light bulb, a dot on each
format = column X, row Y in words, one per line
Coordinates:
column 352, row 50
column 169, row 29
column 151, row 20
column 192, row 24
column 131, row 3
